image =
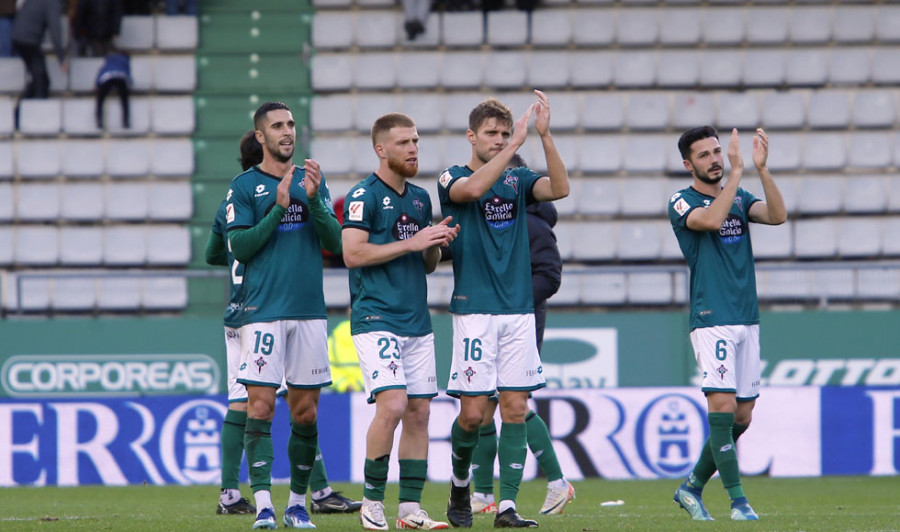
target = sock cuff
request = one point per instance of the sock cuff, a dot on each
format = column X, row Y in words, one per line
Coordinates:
column 514, row 430
column 305, row 431
column 413, row 466
column 487, row 430
column 376, row 469
column 236, row 417
column 720, row 419
column 259, row 425
column 461, row 434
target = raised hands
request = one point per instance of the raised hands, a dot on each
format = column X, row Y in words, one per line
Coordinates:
column 283, row 192
column 760, row 149
column 734, row 155
column 313, row 177
column 542, row 112
column 436, row 235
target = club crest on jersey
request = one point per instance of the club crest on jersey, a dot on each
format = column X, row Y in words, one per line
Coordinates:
column 393, row 367
column 513, row 181
column 417, row 203
column 260, row 362
column 737, row 201
column 722, row 370
column 469, row 373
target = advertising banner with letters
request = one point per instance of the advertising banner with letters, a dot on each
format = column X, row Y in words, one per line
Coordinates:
column 623, row 433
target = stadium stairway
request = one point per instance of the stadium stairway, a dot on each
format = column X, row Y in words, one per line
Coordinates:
column 249, row 53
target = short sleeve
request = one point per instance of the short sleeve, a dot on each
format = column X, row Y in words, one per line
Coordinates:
column 679, row 207
column 446, row 180
column 527, row 178
column 358, row 208
column 239, row 207
column 747, row 199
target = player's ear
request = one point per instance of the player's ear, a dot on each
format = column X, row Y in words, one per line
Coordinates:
column 688, row 166
column 379, row 151
column 471, row 136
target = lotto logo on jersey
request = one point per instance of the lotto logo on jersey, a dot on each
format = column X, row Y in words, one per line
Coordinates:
column 355, row 211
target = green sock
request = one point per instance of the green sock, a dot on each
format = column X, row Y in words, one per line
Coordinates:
column 376, row 472
column 706, row 466
column 413, row 474
column 483, row 458
column 511, row 452
column 302, row 449
column 258, row 445
column 232, row 448
column 542, row 446
column 463, row 444
column 722, row 444
column 318, row 479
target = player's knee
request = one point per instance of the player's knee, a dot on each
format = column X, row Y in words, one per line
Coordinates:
column 305, row 417
column 469, row 421
column 417, row 413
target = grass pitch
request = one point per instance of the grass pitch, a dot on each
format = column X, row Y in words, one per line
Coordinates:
column 808, row 504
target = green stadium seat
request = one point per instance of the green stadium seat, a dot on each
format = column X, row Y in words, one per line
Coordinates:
column 245, row 73
column 269, row 32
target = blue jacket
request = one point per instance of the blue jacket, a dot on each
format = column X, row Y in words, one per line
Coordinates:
column 116, row 66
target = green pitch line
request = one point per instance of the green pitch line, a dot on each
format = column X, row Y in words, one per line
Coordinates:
column 807, row 504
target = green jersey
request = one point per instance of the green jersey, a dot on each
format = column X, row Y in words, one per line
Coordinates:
column 233, row 310
column 491, row 259
column 283, row 280
column 392, row 296
column 723, row 279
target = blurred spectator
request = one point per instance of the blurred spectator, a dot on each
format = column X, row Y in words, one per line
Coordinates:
column 330, row 259
column 415, row 12
column 522, row 5
column 32, row 20
column 114, row 74
column 7, row 14
column 96, row 23
column 187, row 7
column 137, row 7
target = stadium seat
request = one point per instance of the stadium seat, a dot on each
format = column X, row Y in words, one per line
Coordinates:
column 763, row 68
column 332, row 72
column 84, row 202
column 670, row 248
column 137, row 33
column 602, row 288
column 507, row 28
column 79, row 116
column 59, row 81
column 6, row 160
column 678, row 69
column 784, row 285
column 172, row 115
column 172, row 157
column 865, row 194
column 165, row 293
column 457, row 150
column 80, row 246
column 505, row 69
column 462, row 29
column 38, row 158
column 40, row 117
column 875, row 108
column 890, row 246
column 440, row 288
column 648, row 111
column 650, row 288
column 12, row 75
column 634, row 69
column 565, row 238
column 36, row 245
column 34, row 294
column 127, row 201
column 364, row 159
column 645, row 196
column 600, row 154
column 567, row 145
column 737, row 109
column 370, row 106
column 333, row 29
column 821, row 195
column 549, row 70
column 645, row 153
column 811, row 25
column 7, row 119
column 170, row 201
column 6, row 244
column 639, row 241
column 807, row 68
column 464, row 70
column 377, row 29
column 174, row 73
column 680, row 27
column 426, row 109
column 566, row 110
column 420, row 70
column 837, row 283
column 893, row 187
column 887, row 24
column 591, row 70
column 119, row 293
column 83, row 158
column 432, row 36
column 552, row 27
column 139, row 117
column 784, row 153
column 637, row 27
column 168, row 245
column 870, row 150
column 177, row 33
column 333, row 154
column 854, row 24
column 143, row 69
column 128, row 158
column 457, row 107
column 431, row 157
column 824, row 151
column 603, row 111
column 594, row 241
column 721, row 68
column 859, row 237
column 7, row 199
column 332, row 113
column 724, row 26
column 829, row 109
column 885, row 67
column 767, row 26
column 850, row 66
column 815, row 238
column 772, row 241
column 124, row 245
column 37, row 202
column 73, row 294
column 594, row 27
column 878, row 284
column 337, row 295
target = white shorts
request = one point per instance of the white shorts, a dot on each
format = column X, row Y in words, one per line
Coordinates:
column 728, row 357
column 390, row 362
column 494, row 352
column 294, row 351
column 237, row 392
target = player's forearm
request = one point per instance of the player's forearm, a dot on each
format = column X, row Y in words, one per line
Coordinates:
column 246, row 242
column 216, row 254
column 776, row 212
column 556, row 170
column 360, row 254
column 327, row 226
column 431, row 256
column 477, row 184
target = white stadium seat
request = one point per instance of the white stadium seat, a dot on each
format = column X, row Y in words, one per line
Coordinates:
column 176, row 33
column 81, row 246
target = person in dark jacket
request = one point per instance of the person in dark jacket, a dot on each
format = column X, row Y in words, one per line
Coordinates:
column 96, row 23
column 114, row 74
column 546, row 264
column 7, row 14
column 32, row 20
